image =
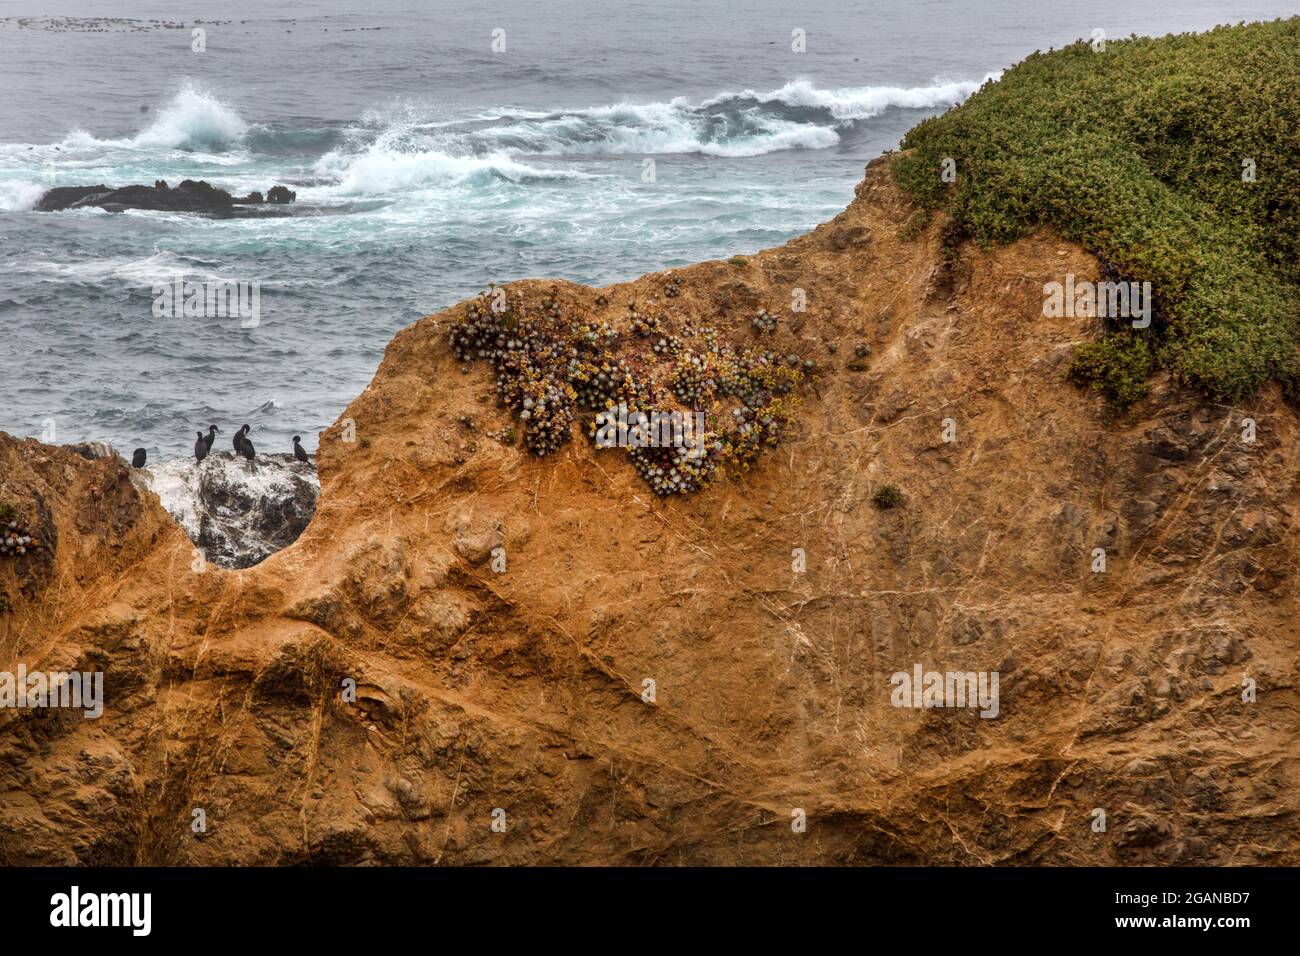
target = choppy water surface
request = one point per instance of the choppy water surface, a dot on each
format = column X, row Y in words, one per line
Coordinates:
column 436, row 166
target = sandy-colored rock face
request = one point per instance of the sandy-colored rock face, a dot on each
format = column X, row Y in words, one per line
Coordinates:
column 524, row 691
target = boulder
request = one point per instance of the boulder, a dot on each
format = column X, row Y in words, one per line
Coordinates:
column 196, row 196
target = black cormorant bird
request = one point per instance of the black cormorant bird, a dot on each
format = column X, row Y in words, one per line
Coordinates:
column 200, row 447
column 137, row 460
column 210, row 436
column 238, row 440
column 298, row 451
column 245, row 446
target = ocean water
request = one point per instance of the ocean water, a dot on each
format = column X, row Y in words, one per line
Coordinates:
column 433, row 165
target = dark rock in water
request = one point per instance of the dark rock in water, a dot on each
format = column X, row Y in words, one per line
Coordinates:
column 196, row 196
column 138, row 459
column 70, row 197
column 237, row 512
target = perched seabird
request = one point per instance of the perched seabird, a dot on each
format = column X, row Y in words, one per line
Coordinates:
column 246, row 447
column 238, row 440
column 200, row 447
column 137, row 460
column 210, row 436
column 298, row 451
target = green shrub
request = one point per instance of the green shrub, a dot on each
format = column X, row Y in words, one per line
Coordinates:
column 1117, row 365
column 915, row 226
column 886, row 497
column 1139, row 152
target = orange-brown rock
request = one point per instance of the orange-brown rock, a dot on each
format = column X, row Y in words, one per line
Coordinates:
column 524, row 691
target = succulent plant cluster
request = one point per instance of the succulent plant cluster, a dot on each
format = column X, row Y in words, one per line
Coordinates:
column 643, row 324
column 756, row 428
column 525, row 354
column 764, row 322
column 677, row 471
column 552, row 363
column 15, row 536
column 667, row 345
column 693, row 381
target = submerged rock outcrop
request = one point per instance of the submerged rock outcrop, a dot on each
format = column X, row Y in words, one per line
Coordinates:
column 475, row 655
column 190, row 196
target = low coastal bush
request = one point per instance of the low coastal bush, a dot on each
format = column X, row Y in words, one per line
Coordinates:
column 886, row 497
column 1173, row 159
column 1117, row 365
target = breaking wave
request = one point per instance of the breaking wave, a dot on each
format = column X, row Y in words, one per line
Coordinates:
column 748, row 123
column 395, row 162
column 193, row 120
column 376, row 158
column 19, row 195
column 415, row 146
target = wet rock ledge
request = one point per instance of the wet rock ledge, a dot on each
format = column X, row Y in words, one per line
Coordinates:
column 190, row 196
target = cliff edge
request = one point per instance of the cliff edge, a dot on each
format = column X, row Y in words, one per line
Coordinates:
column 474, row 655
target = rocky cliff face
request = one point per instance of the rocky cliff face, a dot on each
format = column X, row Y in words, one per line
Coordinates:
column 553, row 666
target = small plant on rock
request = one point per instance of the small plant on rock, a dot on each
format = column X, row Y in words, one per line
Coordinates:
column 886, row 497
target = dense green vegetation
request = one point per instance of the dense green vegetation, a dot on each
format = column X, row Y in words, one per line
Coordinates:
column 1139, row 151
column 1117, row 365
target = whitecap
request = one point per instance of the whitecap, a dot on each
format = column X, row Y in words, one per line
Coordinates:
column 18, row 195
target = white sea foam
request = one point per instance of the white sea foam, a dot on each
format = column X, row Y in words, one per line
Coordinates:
column 856, row 103
column 192, row 120
column 399, row 150
column 405, row 155
column 381, row 170
column 18, row 195
column 405, row 148
column 161, row 267
column 657, row 129
column 748, row 123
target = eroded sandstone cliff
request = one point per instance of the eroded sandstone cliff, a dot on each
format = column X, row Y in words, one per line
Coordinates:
column 524, row 691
